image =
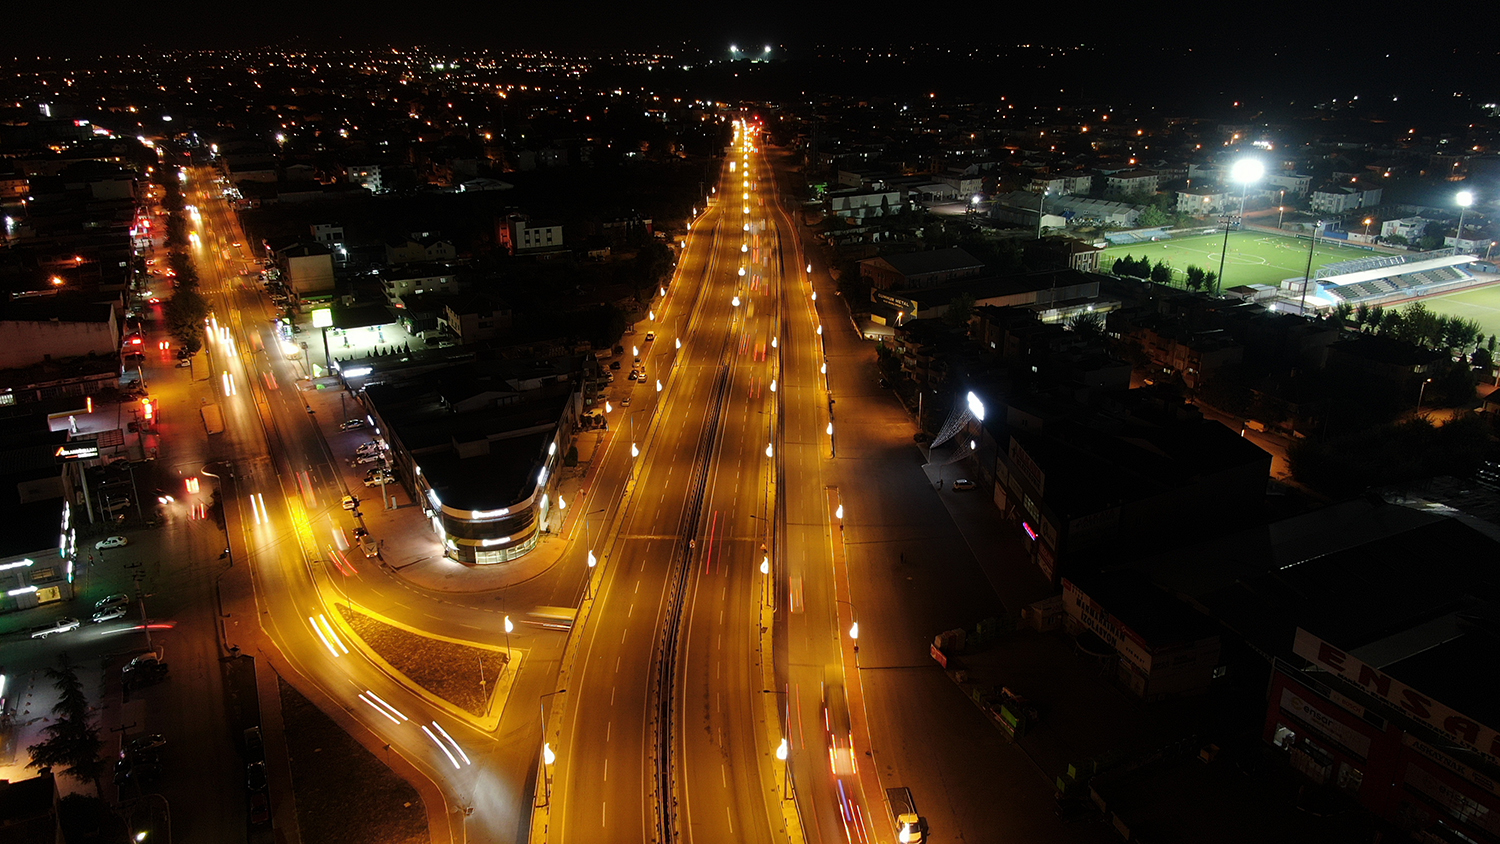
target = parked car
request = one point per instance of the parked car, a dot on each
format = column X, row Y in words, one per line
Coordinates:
column 367, row 458
column 614, row 364
column 963, row 483
column 145, row 668
column 184, row 363
column 111, row 542
column 379, row 480
column 370, row 447
column 625, row 402
column 141, row 744
column 255, row 746
column 62, row 625
column 108, row 614
column 350, row 503
column 260, row 808
column 255, row 776
column 116, row 600
column 351, row 424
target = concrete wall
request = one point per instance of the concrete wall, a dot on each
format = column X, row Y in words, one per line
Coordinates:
column 310, row 274
column 28, row 342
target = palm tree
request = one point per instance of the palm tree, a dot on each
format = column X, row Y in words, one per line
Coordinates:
column 1088, row 323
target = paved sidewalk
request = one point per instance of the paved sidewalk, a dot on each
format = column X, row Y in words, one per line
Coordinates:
column 408, row 546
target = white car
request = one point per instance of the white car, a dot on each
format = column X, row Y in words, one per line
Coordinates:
column 351, row 424
column 111, row 542
column 379, row 480
column 119, row 599
column 108, row 615
column 350, row 502
column 62, row 625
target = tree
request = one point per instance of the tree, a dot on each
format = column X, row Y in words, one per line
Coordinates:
column 1195, row 277
column 72, row 743
column 1396, row 240
column 960, row 309
column 1362, row 314
column 1376, row 319
column 1161, row 273
column 1210, row 280
column 1087, row 323
column 1429, row 242
column 1152, row 217
column 184, row 314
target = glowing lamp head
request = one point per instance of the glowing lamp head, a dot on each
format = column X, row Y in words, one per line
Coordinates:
column 509, row 626
column 1247, row 170
column 548, row 757
column 1465, row 198
column 781, row 750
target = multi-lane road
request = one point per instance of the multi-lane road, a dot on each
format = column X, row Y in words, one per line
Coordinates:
column 674, row 710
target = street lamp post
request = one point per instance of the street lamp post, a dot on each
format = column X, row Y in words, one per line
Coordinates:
column 1420, row 394
column 1244, row 171
column 1307, row 275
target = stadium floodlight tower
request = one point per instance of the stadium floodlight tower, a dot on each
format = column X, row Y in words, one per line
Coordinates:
column 1465, row 199
column 1244, row 171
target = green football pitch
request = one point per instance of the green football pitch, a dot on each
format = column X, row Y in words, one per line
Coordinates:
column 1480, row 304
column 1254, row 257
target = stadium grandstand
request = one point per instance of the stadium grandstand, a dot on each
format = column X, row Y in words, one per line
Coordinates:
column 1381, row 279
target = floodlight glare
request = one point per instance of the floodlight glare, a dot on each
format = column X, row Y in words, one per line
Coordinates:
column 976, row 407
column 1247, row 170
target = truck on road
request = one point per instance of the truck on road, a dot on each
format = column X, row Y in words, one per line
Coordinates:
column 213, row 418
column 911, row 828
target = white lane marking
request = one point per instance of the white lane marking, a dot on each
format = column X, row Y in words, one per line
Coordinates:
column 603, row 813
column 730, row 815
column 611, row 696
column 606, row 769
column 617, row 665
column 723, row 774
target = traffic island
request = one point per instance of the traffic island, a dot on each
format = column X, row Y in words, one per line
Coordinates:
column 344, row 794
column 466, row 677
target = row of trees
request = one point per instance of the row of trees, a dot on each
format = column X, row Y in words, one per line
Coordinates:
column 1419, row 325
column 187, row 310
column 1195, row 277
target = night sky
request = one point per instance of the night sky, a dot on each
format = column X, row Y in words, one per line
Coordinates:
column 94, row 26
